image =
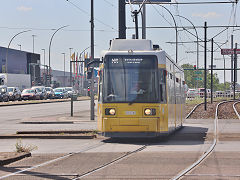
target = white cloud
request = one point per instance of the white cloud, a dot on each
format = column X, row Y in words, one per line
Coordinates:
column 23, row 8
column 207, row 15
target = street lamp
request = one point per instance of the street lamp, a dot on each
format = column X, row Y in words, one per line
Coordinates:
column 64, row 68
column 33, row 42
column 34, row 72
column 6, row 66
column 50, row 53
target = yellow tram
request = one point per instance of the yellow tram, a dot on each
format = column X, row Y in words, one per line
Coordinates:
column 141, row 91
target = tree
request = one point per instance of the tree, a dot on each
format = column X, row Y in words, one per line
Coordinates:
column 195, row 78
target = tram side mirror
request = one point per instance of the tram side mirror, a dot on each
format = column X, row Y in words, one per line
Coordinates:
column 89, row 73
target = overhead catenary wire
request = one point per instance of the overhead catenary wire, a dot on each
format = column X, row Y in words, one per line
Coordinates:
column 178, row 13
column 52, row 29
column 193, row 3
column 87, row 13
column 108, row 2
column 169, row 24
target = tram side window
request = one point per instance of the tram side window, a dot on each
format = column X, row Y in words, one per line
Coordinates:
column 177, row 80
column 162, row 85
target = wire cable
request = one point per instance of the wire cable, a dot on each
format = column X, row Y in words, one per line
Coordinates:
column 96, row 19
column 53, row 29
column 193, row 3
column 110, row 4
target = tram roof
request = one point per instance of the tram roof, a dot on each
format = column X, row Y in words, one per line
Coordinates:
column 131, row 44
column 137, row 47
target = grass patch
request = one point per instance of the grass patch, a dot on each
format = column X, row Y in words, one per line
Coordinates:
column 20, row 147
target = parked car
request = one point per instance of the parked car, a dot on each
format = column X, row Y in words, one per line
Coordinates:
column 50, row 92
column 60, row 93
column 30, row 94
column 14, row 93
column 42, row 91
column 70, row 91
column 4, row 96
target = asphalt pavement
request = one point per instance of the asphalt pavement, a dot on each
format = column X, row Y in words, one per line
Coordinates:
column 161, row 159
column 48, row 117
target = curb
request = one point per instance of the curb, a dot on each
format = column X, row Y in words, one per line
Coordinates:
column 11, row 160
column 41, row 102
column 54, row 132
column 48, row 122
column 55, row 136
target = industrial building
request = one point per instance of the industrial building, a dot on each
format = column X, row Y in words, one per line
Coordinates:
column 14, row 61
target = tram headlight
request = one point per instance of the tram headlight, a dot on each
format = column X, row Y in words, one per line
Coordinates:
column 150, row 112
column 110, row 111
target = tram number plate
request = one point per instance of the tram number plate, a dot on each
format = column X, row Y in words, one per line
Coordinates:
column 130, row 112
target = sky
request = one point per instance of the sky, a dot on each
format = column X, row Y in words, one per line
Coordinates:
column 43, row 17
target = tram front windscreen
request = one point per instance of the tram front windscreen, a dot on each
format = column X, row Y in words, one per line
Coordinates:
column 130, row 79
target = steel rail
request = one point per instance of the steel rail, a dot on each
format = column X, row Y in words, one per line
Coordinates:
column 191, row 112
column 125, row 155
column 110, row 163
column 235, row 110
column 210, row 150
column 220, row 175
column 52, row 161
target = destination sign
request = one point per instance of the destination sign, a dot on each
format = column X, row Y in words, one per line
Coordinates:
column 127, row 60
column 131, row 62
column 229, row 51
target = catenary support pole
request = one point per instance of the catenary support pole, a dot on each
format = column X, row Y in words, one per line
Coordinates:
column 212, row 72
column 234, row 74
column 224, row 74
column 232, row 60
column 144, row 22
column 92, row 59
column 71, row 83
column 122, row 19
column 136, row 23
column 205, row 66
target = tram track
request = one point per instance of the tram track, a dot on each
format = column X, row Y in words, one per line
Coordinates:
column 207, row 153
column 125, row 155
column 128, row 154
column 235, row 109
column 194, row 108
column 52, row 161
column 76, row 176
column 87, row 173
column 110, row 163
